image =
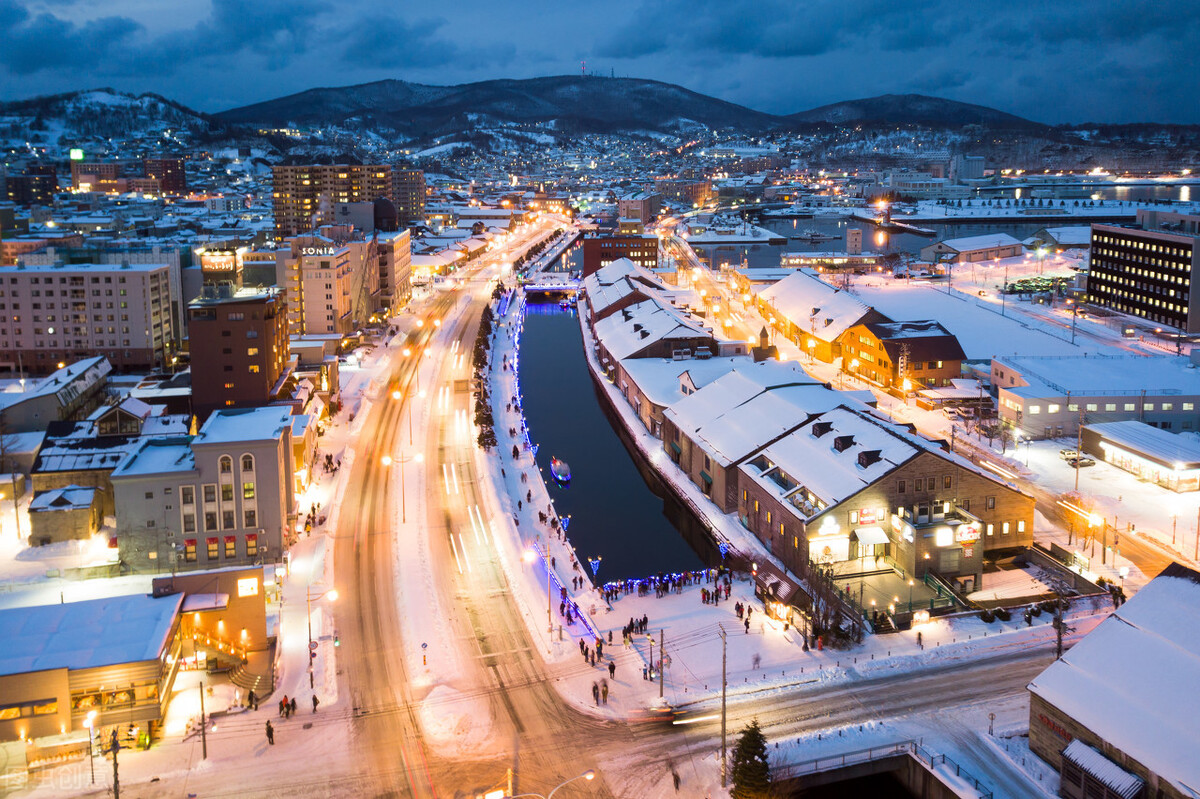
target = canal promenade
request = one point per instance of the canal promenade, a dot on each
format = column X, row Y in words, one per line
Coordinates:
column 764, row 655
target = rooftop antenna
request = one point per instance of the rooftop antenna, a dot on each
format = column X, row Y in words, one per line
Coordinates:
column 583, row 68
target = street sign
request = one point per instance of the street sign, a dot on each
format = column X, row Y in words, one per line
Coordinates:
column 424, row 646
column 312, row 645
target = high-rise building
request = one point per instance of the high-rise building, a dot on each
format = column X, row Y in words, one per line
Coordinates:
column 168, row 172
column 1149, row 271
column 61, row 313
column 30, row 190
column 305, row 196
column 238, row 340
column 408, row 194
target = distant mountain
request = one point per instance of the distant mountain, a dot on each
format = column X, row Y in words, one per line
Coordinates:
column 912, row 109
column 572, row 102
column 101, row 113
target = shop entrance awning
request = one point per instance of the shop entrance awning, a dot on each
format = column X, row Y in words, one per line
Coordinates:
column 871, row 535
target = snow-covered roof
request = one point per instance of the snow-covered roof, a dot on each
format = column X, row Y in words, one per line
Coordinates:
column 67, row 498
column 84, row 635
column 985, row 242
column 661, row 380
column 811, row 455
column 638, row 326
column 156, row 456
column 1118, row 780
column 1152, row 441
column 815, row 306
column 1078, row 236
column 1099, row 375
column 230, row 425
column 68, row 382
column 737, row 414
column 1128, row 681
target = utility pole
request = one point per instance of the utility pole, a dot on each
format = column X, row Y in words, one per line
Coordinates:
column 116, row 747
column 203, row 726
column 724, row 685
column 662, row 645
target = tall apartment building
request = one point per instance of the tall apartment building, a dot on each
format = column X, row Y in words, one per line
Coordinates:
column 327, row 289
column 1149, row 271
column 28, row 190
column 96, row 175
column 395, row 269
column 642, row 205
column 305, row 195
column 408, row 194
column 169, row 174
column 238, row 341
column 61, row 313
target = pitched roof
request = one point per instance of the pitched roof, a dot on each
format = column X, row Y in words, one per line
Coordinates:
column 815, row 306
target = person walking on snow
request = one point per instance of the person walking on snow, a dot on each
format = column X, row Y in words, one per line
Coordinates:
column 596, row 693
column 315, row 703
column 270, row 733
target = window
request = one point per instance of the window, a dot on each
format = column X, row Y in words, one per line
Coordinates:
column 227, row 520
column 1110, row 406
column 1188, row 406
column 918, row 484
column 251, row 545
column 990, row 504
column 1052, row 408
column 210, row 493
column 212, row 548
column 251, row 518
column 1091, row 406
column 991, row 529
column 946, row 481
column 247, row 463
column 247, row 490
column 900, row 488
column 189, row 550
column 149, row 495
column 226, row 464
column 253, row 368
column 1004, row 528
column 210, row 521
column 1149, row 406
column 965, row 505
column 1129, row 406
column 252, row 351
column 1021, row 526
column 1168, row 406
column 227, row 492
column 189, row 522
column 230, row 546
column 1035, row 409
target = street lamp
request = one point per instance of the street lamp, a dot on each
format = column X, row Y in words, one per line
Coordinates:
column 587, row 775
column 90, row 723
column 910, row 588
column 332, row 594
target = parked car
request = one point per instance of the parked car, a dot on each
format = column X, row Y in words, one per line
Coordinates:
column 1080, row 462
column 1067, row 454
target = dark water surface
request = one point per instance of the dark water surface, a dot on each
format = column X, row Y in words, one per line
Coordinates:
column 614, row 513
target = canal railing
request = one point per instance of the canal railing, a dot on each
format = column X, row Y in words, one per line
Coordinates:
column 937, row 764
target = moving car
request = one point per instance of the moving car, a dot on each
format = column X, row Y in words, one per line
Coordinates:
column 1081, row 461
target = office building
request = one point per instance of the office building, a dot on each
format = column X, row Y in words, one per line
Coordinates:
column 1148, row 271
column 28, row 190
column 56, row 314
column 239, row 347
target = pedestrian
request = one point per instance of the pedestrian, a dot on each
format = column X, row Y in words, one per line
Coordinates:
column 675, row 779
column 612, row 669
column 919, row 640
column 251, row 700
column 293, row 709
column 315, row 703
column 270, row 733
column 596, row 693
column 644, row 673
column 747, row 625
column 282, row 705
column 604, row 691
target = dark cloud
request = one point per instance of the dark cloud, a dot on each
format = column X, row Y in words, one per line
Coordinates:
column 1120, row 60
column 32, row 44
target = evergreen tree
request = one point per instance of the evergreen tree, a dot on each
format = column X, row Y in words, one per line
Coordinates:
column 750, row 772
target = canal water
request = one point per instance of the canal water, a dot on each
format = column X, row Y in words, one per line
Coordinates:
column 618, row 510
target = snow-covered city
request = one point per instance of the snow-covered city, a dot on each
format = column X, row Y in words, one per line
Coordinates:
column 589, row 436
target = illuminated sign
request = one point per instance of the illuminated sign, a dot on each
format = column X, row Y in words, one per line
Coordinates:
column 967, row 533
column 76, row 154
column 318, row 250
column 902, row 528
column 218, row 262
column 943, row 537
column 248, row 586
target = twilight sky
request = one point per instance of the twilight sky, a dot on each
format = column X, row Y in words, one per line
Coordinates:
column 1066, row 61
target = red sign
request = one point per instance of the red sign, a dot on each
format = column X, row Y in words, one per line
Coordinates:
column 867, row 516
column 1054, row 727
